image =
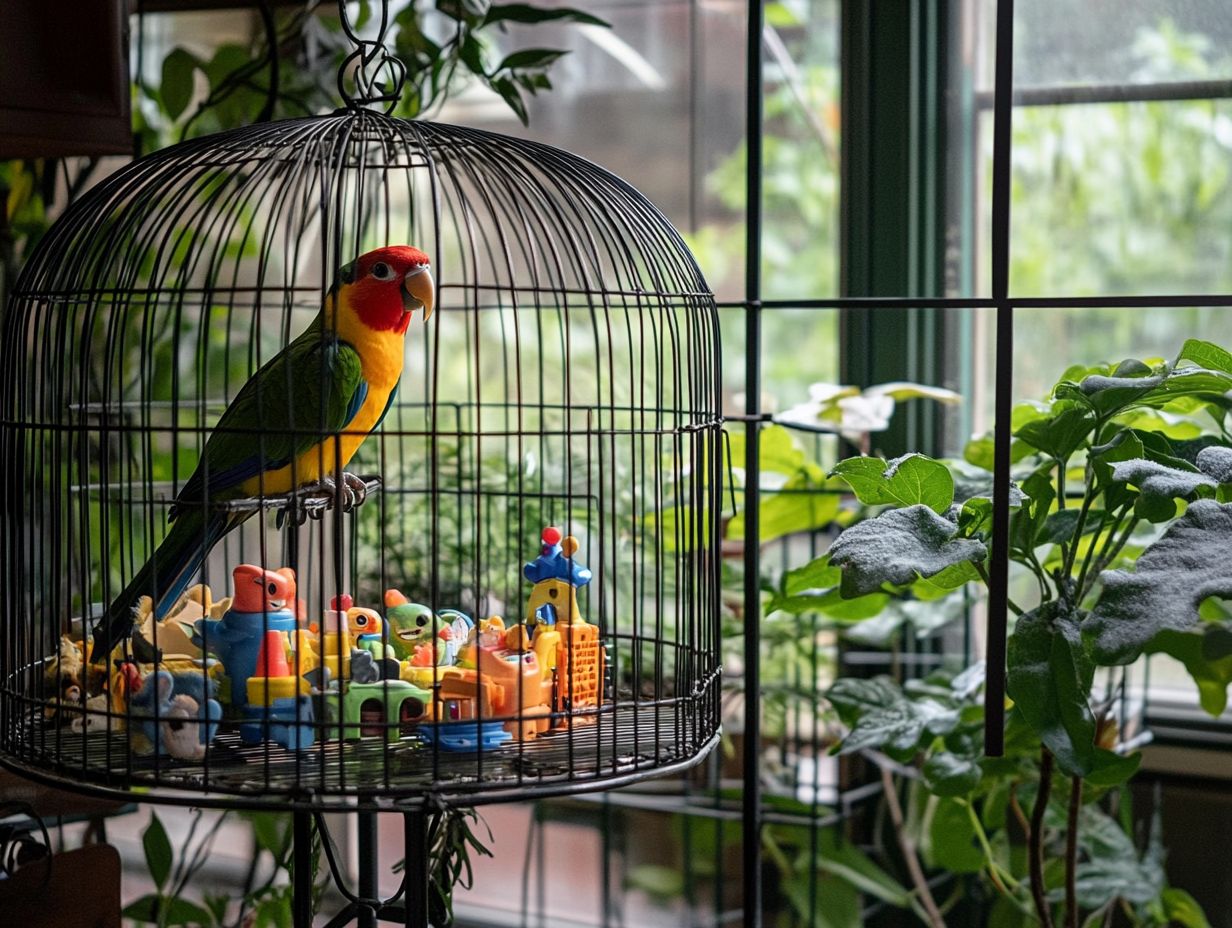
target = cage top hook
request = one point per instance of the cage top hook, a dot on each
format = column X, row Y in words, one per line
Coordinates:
column 378, row 77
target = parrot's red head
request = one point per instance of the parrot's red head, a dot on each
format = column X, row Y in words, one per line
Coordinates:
column 383, row 288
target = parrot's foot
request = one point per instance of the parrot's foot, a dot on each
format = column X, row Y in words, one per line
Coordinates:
column 358, row 488
column 349, row 493
column 307, row 501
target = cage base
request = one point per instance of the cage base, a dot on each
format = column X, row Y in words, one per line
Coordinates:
column 623, row 744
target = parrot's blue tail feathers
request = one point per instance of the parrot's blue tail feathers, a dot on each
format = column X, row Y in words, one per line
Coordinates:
column 166, row 575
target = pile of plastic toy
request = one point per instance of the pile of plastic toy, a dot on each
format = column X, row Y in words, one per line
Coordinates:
column 254, row 663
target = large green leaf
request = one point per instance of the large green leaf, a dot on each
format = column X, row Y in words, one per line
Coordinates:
column 906, row 481
column 157, row 846
column 1180, row 908
column 817, row 574
column 881, row 716
column 1049, row 678
column 822, row 900
column 795, row 507
column 177, row 85
column 951, row 842
column 899, row 546
column 1210, row 669
column 1206, row 354
column 168, row 910
column 1159, row 485
column 844, row 860
column 1172, row 577
column 529, row 14
column 1111, row 769
column 831, row 603
column 1062, row 433
column 947, row 774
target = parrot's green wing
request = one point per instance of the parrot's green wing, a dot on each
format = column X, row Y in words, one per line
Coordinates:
column 310, row 389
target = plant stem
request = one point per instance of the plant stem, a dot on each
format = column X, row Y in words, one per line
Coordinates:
column 1107, row 558
column 1071, row 853
column 983, row 572
column 1035, row 839
column 1072, row 551
column 1005, row 883
column 907, row 846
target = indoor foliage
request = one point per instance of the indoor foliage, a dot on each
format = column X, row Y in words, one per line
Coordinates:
column 1121, row 525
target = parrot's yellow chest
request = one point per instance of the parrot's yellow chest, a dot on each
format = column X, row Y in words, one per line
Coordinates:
column 381, row 357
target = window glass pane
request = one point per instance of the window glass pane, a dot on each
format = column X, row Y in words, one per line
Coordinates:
column 1124, row 41
column 1116, row 195
column 658, row 99
column 1121, row 198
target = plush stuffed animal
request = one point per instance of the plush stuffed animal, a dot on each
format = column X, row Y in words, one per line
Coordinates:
column 161, row 708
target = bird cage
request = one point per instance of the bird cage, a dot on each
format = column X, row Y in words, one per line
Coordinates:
column 510, row 590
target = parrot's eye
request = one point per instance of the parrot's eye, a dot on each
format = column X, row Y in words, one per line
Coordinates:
column 421, row 621
column 273, row 589
column 382, row 271
column 361, row 621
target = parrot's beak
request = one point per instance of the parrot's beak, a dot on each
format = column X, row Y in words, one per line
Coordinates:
column 417, row 291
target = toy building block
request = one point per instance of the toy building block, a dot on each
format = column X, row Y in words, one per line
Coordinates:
column 383, row 708
column 336, row 644
column 580, row 665
column 465, row 703
column 264, row 601
column 279, row 708
column 521, row 697
column 556, row 578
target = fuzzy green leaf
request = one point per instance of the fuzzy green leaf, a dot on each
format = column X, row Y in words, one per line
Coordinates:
column 1188, row 564
column 1159, row 481
column 1049, row 677
column 899, row 546
column 1216, row 462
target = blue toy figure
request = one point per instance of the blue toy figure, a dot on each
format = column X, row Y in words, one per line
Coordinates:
column 175, row 713
column 556, row 578
column 264, row 601
column 280, row 709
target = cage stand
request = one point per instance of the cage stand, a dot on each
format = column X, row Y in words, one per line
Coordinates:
column 408, row 906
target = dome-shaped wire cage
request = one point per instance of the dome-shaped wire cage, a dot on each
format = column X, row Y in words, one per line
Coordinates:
column 537, row 549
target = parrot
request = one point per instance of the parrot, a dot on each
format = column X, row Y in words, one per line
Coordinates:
column 298, row 420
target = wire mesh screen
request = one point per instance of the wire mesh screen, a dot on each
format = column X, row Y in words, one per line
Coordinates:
column 511, row 586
